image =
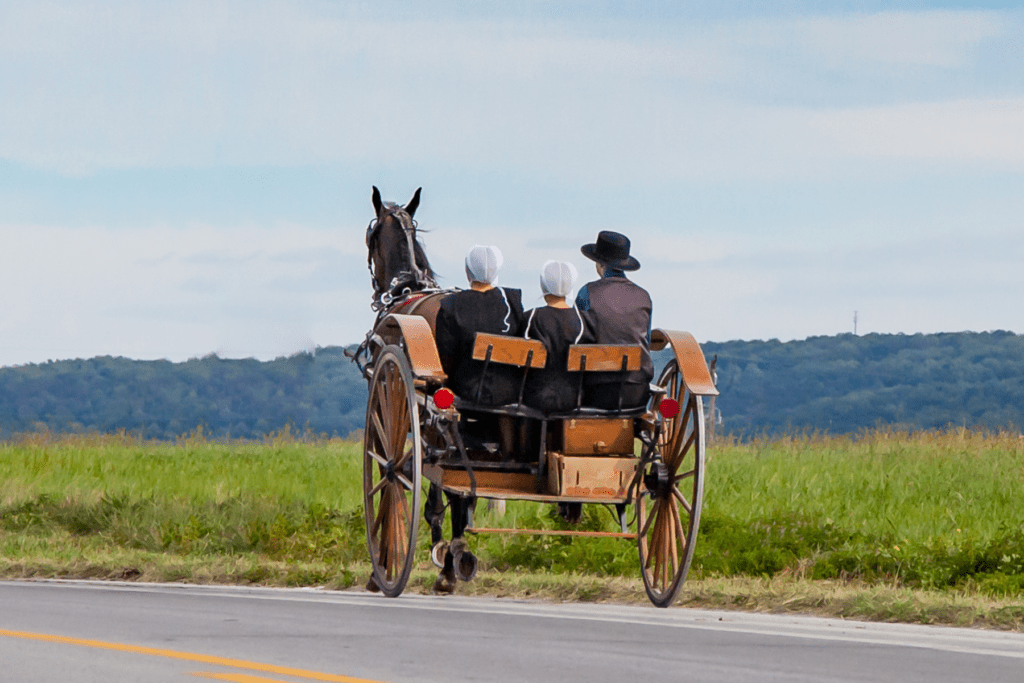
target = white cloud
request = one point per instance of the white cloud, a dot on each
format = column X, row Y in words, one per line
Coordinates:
column 197, row 84
column 177, row 293
column 850, row 42
column 965, row 131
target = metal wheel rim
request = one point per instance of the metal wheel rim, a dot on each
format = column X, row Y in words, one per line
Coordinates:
column 391, row 441
column 666, row 526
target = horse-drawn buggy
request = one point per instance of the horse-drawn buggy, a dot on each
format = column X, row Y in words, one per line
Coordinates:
column 421, row 441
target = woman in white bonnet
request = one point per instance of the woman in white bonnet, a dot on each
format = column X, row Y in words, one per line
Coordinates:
column 484, row 307
column 558, row 325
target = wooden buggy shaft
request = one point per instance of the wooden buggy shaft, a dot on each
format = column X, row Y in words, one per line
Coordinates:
column 554, row 532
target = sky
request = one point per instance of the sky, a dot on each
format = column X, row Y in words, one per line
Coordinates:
column 186, row 178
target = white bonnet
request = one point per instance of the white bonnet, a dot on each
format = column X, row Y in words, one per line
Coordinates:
column 557, row 278
column 482, row 264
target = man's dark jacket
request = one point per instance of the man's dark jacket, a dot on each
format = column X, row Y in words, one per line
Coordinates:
column 620, row 313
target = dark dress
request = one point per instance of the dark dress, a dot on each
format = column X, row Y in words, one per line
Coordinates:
column 553, row 388
column 461, row 316
column 620, row 312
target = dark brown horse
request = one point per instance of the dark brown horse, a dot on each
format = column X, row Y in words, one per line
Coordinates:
column 396, row 259
column 403, row 282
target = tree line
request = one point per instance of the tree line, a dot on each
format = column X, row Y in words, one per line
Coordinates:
column 246, row 398
column 845, row 383
column 839, row 384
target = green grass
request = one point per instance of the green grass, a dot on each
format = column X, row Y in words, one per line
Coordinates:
column 928, row 510
column 939, row 512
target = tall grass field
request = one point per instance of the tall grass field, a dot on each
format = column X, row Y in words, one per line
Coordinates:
column 939, row 510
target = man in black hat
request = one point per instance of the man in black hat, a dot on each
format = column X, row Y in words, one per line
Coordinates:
column 620, row 312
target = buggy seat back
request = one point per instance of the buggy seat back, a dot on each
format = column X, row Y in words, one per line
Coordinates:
column 608, row 358
column 604, row 358
column 496, row 348
column 514, row 351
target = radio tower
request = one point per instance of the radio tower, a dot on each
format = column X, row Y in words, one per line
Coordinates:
column 855, row 323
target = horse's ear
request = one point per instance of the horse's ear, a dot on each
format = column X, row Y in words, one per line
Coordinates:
column 377, row 203
column 410, row 208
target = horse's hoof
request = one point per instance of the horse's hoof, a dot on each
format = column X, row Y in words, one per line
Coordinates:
column 465, row 565
column 437, row 553
column 463, row 561
column 371, row 584
column 445, row 582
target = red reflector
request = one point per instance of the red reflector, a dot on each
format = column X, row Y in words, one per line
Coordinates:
column 669, row 408
column 444, row 398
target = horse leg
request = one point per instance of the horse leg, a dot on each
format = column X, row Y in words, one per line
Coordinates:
column 459, row 563
column 462, row 513
column 446, row 579
column 463, row 561
column 433, row 512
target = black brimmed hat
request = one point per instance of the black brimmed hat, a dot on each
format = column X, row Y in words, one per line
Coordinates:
column 612, row 250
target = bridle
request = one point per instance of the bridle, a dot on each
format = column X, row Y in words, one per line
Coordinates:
column 404, row 282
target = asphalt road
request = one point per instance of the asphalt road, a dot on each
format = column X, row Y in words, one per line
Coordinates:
column 93, row 632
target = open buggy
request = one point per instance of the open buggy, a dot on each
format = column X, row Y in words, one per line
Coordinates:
column 420, row 439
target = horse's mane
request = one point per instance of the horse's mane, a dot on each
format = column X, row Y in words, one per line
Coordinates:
column 420, row 253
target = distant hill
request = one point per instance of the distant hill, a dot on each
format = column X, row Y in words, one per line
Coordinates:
column 239, row 398
column 846, row 383
column 840, row 384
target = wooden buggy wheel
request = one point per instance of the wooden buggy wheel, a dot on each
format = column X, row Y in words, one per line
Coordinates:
column 668, row 510
column 391, row 471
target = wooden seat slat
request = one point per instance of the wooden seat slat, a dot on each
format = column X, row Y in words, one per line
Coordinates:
column 510, row 350
column 604, row 357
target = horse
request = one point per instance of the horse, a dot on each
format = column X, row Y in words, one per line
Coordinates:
column 404, row 282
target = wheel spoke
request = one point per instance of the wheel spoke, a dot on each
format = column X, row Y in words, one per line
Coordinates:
column 384, row 405
column 653, row 546
column 388, row 561
column 659, row 551
column 677, row 449
column 402, row 512
column 383, row 436
column 654, row 511
column 379, row 458
column 389, row 411
column 682, row 500
column 405, row 456
column 373, row 435
column 688, row 445
column 397, row 411
column 376, row 489
column 394, row 426
column 379, row 517
column 651, row 543
column 669, row 545
column 684, row 475
column 405, row 482
column 397, row 555
column 679, row 529
column 677, row 538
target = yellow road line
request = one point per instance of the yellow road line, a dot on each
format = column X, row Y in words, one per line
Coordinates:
column 188, row 657
column 233, row 678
